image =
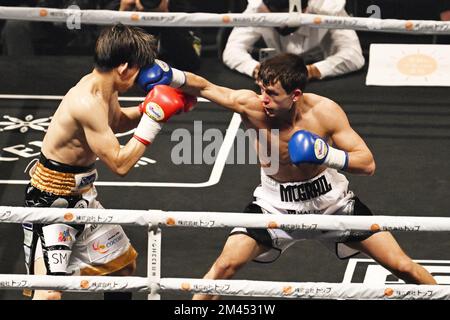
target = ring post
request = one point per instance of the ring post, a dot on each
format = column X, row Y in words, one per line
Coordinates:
column 154, row 261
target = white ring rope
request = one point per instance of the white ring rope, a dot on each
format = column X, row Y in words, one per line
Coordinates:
column 180, row 19
column 298, row 290
column 305, row 290
column 75, row 283
column 311, row 222
column 54, row 97
column 155, row 284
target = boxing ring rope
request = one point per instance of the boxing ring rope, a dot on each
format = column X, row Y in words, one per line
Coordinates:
column 154, row 284
column 195, row 219
column 298, row 290
column 73, row 17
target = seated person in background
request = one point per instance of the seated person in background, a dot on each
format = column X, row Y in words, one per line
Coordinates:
column 178, row 46
column 444, row 15
column 341, row 48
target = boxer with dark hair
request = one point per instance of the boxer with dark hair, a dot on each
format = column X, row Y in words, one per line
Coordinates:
column 315, row 141
column 82, row 130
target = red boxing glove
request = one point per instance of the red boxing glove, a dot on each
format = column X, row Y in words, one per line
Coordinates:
column 159, row 105
column 163, row 102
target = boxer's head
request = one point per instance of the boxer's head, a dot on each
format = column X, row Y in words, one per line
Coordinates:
column 282, row 80
column 124, row 49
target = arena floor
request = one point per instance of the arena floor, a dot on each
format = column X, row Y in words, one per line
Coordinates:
column 407, row 129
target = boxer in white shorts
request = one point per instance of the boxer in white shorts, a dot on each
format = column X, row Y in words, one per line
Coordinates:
column 326, row 193
column 313, row 139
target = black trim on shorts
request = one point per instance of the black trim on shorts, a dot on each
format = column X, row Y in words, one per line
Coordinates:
column 62, row 167
column 35, row 197
column 261, row 236
column 345, row 258
column 359, row 209
column 256, row 237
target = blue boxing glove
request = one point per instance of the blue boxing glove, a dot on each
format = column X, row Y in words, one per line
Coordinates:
column 159, row 73
column 307, row 147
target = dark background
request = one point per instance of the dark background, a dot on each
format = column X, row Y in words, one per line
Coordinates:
column 213, row 39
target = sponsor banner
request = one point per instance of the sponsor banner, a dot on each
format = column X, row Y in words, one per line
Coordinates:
column 409, row 65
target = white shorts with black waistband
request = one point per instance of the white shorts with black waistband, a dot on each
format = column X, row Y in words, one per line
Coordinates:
column 326, row 193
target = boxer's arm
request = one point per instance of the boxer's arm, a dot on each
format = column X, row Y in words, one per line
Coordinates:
column 343, row 137
column 125, row 118
column 240, row 101
column 103, row 142
column 128, row 118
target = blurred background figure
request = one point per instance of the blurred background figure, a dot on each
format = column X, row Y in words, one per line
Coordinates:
column 178, row 46
column 328, row 53
column 25, row 38
column 445, row 11
column 444, row 15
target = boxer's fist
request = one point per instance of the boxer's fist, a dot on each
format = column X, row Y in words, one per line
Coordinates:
column 163, row 102
column 159, row 73
column 307, row 147
column 153, row 75
column 159, row 105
